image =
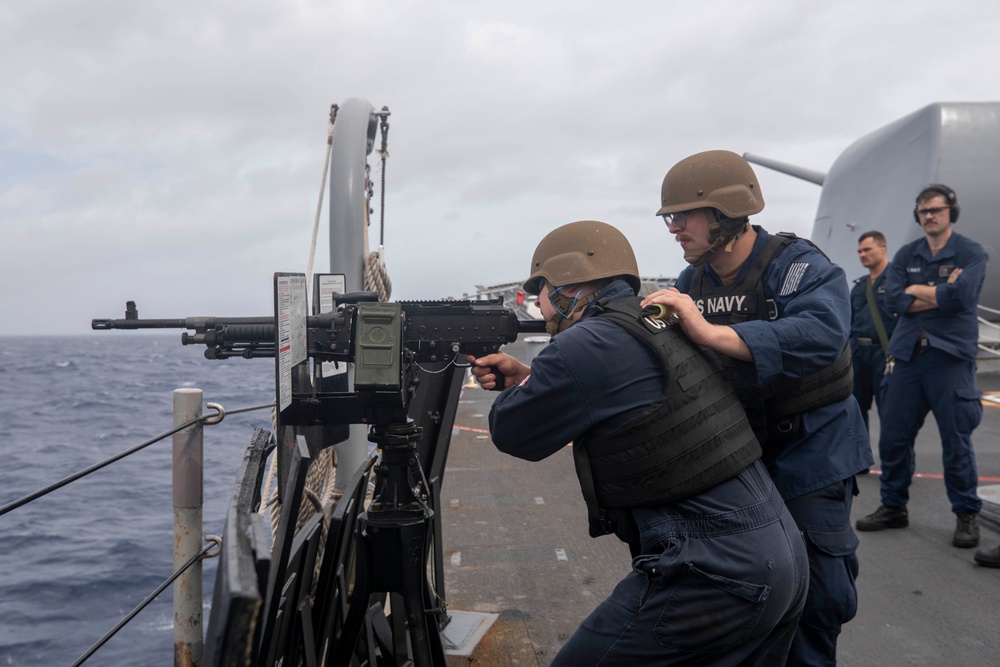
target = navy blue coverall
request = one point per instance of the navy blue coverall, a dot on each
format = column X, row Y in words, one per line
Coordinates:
column 814, row 471
column 935, row 369
column 722, row 576
column 867, row 354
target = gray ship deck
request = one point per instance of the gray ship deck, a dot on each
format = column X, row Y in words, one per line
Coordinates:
column 516, row 547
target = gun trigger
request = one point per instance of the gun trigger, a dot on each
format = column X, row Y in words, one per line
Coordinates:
column 499, row 382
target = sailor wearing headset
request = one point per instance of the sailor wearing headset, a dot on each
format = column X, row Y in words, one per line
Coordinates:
column 933, row 285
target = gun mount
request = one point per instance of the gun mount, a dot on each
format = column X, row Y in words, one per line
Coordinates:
column 386, row 341
column 434, row 330
column 389, row 344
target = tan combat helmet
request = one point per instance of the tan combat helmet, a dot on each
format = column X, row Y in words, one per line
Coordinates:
column 580, row 252
column 714, row 179
column 719, row 180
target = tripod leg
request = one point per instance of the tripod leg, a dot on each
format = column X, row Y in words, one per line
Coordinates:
column 345, row 645
column 425, row 642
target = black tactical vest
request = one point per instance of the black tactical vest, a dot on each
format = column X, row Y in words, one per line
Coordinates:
column 692, row 438
column 775, row 408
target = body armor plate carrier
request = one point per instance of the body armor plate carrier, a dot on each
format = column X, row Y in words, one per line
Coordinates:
column 775, row 408
column 692, row 438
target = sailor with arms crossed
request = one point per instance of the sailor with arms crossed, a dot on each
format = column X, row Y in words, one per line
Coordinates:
column 933, row 285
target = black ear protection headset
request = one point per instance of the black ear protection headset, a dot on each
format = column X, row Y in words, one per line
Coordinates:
column 945, row 192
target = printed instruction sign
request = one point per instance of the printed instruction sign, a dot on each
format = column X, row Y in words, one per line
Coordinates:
column 290, row 314
column 327, row 285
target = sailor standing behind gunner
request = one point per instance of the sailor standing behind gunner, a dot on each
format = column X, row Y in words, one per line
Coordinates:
column 775, row 310
column 872, row 323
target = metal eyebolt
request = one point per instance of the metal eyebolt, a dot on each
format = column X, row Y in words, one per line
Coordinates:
column 217, row 541
column 219, row 416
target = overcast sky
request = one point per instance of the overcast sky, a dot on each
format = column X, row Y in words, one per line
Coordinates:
column 170, row 152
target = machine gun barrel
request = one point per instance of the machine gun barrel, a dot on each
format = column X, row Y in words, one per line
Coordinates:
column 247, row 337
column 434, row 330
column 185, row 323
column 132, row 321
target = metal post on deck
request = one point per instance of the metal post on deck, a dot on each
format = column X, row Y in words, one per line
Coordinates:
column 188, row 475
column 353, row 137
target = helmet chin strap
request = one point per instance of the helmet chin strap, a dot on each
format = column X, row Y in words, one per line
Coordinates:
column 567, row 308
column 556, row 324
column 719, row 239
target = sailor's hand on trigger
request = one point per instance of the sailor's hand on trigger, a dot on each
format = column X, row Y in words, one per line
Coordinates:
column 484, row 370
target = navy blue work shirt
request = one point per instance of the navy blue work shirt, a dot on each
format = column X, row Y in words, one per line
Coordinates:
column 953, row 326
column 809, row 294
column 862, row 322
column 590, row 377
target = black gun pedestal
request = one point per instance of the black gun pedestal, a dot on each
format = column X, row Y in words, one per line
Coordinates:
column 392, row 546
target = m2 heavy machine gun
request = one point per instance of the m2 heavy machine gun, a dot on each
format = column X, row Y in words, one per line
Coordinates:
column 405, row 357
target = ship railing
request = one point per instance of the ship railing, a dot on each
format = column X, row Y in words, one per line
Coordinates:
column 989, row 332
column 189, row 550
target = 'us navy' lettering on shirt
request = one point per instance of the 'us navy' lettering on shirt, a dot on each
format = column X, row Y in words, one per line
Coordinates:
column 722, row 304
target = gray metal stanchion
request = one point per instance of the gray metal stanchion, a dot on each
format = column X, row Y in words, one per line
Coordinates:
column 353, row 134
column 188, row 477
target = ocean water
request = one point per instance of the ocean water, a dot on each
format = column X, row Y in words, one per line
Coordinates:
column 75, row 562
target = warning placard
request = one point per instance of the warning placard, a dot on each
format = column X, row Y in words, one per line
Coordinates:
column 290, row 315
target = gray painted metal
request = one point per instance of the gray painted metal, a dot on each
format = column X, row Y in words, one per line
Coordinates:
column 872, row 185
column 236, row 598
column 810, row 175
column 353, row 139
column 188, row 477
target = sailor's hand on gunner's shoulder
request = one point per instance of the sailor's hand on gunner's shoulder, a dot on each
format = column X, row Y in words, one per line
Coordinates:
column 720, row 338
column 485, row 369
column 686, row 313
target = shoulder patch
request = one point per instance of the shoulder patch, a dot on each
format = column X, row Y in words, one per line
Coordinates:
column 658, row 324
column 793, row 277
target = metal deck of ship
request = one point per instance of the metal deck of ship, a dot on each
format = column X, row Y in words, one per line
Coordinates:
column 517, row 551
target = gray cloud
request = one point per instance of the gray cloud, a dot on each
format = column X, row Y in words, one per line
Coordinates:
column 171, row 152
